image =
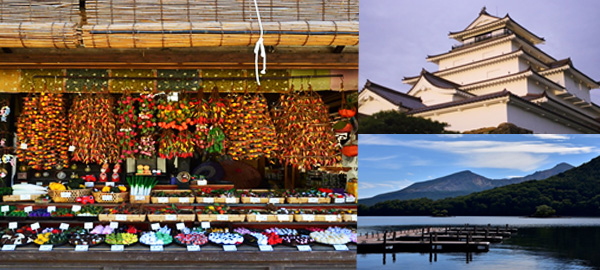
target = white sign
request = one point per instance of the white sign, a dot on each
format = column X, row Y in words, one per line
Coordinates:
column 46, row 248
column 28, row 209
column 81, row 247
column 110, row 184
column 156, row 248
column 265, row 248
column 261, row 218
column 65, row 194
column 340, row 247
column 76, row 208
column 171, row 217
column 9, row 247
column 350, row 199
column 117, row 248
column 25, row 197
column 64, row 226
column 230, row 200
column 89, row 184
column 71, row 148
column 35, row 226
column 313, row 200
column 180, row 226
column 155, row 226
column 88, row 225
column 39, row 183
column 193, row 248
column 331, row 218
column 121, row 217
column 163, row 200
column 184, row 200
column 208, row 200
column 339, row 200
column 254, row 200
column 205, row 225
column 222, row 217
column 353, row 217
column 304, row 248
column 308, row 217
column 229, row 248
column 23, row 146
column 114, row 225
column 107, row 197
column 51, row 209
column 5, row 208
column 273, row 200
column 140, row 197
column 283, row 217
column 13, row 225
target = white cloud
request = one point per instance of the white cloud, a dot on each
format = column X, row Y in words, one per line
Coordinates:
column 519, row 161
column 387, row 185
column 420, row 162
column 551, row 136
column 377, row 158
column 409, row 173
column 451, row 136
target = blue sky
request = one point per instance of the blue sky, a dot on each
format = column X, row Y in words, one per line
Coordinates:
column 392, row 162
column 396, row 36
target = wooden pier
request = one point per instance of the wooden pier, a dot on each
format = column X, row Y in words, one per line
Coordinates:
column 434, row 239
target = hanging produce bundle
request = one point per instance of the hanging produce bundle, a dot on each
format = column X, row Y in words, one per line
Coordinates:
column 249, row 128
column 175, row 117
column 209, row 116
column 304, row 131
column 201, row 115
column 126, row 119
column 93, row 129
column 171, row 144
column 146, row 126
column 42, row 132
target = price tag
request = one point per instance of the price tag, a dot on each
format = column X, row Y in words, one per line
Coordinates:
column 308, row 217
column 25, row 197
column 222, row 217
column 340, row 247
column 313, row 200
column 39, row 183
column 265, row 248
column 156, row 248
column 229, row 248
column 155, row 226
column 35, row 226
column 180, row 226
column 71, row 148
column 193, row 248
column 9, row 247
column 51, row 209
column 140, row 197
column 273, row 200
column 230, row 200
column 5, row 208
column 163, row 200
column 117, row 248
column 205, row 225
column 353, row 217
column 88, row 225
column 184, row 200
column 28, row 209
column 45, row 248
column 65, row 194
column 304, row 248
column 89, row 184
column 261, row 218
column 81, row 247
column 23, row 146
column 171, row 217
column 121, row 217
column 107, row 198
column 114, row 225
column 283, row 217
column 110, row 184
column 350, row 199
column 64, row 226
column 13, row 225
column 76, row 208
column 208, row 200
column 331, row 218
column 339, row 200
column 254, row 200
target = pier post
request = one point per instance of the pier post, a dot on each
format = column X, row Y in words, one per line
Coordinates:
column 384, row 237
column 468, row 238
column 394, row 236
column 435, row 234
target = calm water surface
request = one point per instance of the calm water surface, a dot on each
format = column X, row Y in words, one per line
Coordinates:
column 548, row 243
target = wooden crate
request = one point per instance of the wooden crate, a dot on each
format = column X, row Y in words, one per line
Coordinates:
column 139, row 199
column 102, row 197
column 20, row 198
column 269, row 218
column 317, row 218
column 189, row 199
column 303, row 200
column 262, row 200
column 224, row 218
column 122, row 218
column 350, row 217
column 217, row 200
column 174, row 217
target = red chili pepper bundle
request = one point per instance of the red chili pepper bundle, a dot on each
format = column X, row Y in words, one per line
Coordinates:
column 171, row 145
column 146, row 126
column 126, row 120
column 93, row 129
column 42, row 132
column 175, row 114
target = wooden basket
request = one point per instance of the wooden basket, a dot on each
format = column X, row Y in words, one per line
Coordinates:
column 102, row 197
column 61, row 196
column 262, row 200
column 139, row 199
column 122, row 218
column 302, row 200
column 20, row 198
column 269, row 218
column 223, row 218
column 189, row 199
column 217, row 200
column 317, row 218
column 174, row 217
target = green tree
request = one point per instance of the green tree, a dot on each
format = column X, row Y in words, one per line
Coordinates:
column 544, row 211
column 393, row 122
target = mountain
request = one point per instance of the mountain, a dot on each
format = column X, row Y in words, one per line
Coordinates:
column 575, row 192
column 458, row 184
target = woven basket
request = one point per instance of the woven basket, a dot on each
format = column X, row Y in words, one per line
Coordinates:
column 269, row 218
column 101, row 197
column 189, row 199
column 167, row 218
column 119, row 217
column 262, row 200
column 139, row 199
column 61, row 196
column 223, row 218
column 302, row 200
column 20, row 198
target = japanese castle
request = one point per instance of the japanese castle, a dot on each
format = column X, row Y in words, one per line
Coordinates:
column 495, row 75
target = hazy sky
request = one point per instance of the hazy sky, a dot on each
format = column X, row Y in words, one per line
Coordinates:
column 397, row 35
column 392, row 162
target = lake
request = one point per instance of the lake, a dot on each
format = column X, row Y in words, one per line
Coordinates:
column 541, row 243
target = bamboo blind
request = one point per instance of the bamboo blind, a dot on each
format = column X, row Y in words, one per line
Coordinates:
column 39, row 11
